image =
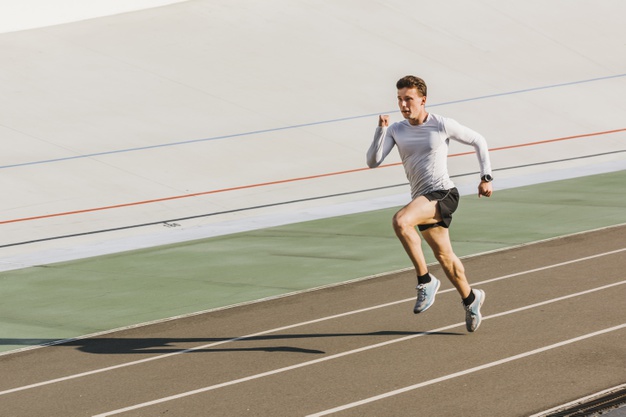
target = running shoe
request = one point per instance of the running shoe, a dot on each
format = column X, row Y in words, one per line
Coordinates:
column 472, row 311
column 426, row 295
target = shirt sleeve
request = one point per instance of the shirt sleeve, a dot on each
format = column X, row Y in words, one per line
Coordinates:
column 467, row 136
column 382, row 144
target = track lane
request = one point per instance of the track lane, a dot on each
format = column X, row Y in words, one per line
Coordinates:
column 289, row 346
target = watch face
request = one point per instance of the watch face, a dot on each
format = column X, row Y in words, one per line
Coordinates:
column 487, row 178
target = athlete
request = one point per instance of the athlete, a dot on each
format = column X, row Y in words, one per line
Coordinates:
column 423, row 139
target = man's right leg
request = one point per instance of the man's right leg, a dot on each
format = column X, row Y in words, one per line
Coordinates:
column 418, row 211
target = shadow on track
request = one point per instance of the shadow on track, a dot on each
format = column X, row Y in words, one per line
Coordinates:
column 116, row 346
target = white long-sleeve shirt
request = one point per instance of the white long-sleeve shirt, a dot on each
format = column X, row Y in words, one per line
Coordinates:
column 424, row 151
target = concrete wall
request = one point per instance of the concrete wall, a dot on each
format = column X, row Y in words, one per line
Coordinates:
column 240, row 114
column 29, row 14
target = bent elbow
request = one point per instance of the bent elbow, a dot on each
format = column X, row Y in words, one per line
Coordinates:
column 372, row 162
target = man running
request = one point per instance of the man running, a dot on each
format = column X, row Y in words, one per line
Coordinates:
column 423, row 139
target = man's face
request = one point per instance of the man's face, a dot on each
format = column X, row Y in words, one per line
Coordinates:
column 410, row 102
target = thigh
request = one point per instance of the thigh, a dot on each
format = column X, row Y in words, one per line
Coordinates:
column 438, row 238
column 419, row 211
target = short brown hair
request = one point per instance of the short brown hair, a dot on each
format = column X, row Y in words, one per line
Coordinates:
column 411, row 81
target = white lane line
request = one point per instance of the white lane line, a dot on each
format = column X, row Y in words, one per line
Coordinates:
column 207, row 346
column 291, row 326
column 466, row 371
column 346, row 353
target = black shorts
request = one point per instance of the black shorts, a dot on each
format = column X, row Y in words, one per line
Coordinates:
column 447, row 201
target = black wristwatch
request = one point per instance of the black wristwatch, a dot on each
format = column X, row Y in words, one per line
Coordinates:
column 486, row 178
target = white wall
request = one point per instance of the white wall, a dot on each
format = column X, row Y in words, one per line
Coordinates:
column 112, row 119
column 28, row 14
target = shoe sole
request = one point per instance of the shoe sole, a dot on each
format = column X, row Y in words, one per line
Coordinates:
column 482, row 300
column 432, row 302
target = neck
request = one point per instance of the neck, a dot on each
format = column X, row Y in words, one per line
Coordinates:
column 420, row 119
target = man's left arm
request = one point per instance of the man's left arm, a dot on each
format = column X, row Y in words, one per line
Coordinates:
column 470, row 137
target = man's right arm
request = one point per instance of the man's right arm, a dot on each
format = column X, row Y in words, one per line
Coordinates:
column 381, row 145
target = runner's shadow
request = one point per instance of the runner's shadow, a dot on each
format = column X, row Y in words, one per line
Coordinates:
column 116, row 346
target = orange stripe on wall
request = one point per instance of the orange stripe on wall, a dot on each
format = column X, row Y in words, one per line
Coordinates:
column 263, row 184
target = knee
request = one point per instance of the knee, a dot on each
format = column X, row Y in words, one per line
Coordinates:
column 449, row 261
column 444, row 258
column 400, row 223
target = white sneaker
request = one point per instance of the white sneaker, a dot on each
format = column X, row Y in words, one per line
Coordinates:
column 426, row 295
column 472, row 311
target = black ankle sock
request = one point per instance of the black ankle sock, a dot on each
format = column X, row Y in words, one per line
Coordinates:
column 470, row 299
column 423, row 279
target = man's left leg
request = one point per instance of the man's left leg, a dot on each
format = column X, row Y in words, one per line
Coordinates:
column 438, row 238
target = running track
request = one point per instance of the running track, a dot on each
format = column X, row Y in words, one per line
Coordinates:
column 554, row 330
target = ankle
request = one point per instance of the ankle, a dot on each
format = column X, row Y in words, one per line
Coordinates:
column 423, row 279
column 469, row 299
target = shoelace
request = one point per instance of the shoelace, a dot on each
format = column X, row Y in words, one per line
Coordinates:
column 421, row 292
column 468, row 309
